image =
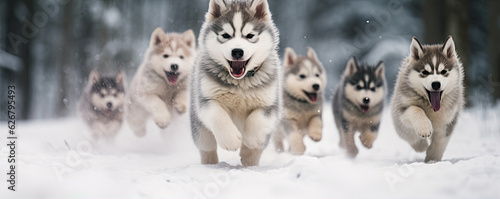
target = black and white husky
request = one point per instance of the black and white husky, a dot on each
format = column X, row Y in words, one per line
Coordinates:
column 236, row 93
column 428, row 97
column 358, row 102
column 101, row 105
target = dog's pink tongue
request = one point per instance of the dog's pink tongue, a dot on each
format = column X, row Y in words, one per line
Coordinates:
column 435, row 100
column 238, row 68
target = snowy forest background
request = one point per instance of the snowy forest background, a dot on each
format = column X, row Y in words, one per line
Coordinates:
column 48, row 47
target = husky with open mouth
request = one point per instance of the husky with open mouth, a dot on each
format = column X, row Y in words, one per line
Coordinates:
column 304, row 83
column 236, row 94
column 358, row 102
column 161, row 83
column 428, row 97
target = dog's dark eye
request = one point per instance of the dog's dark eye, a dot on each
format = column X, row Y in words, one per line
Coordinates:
column 165, row 56
column 182, row 57
column 443, row 72
column 102, row 95
column 358, row 87
column 249, row 36
column 424, row 72
column 317, row 75
column 302, row 76
column 226, row 36
column 372, row 89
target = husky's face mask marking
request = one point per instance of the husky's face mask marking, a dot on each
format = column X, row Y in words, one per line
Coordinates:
column 304, row 75
column 107, row 94
column 434, row 69
column 172, row 55
column 365, row 84
column 239, row 34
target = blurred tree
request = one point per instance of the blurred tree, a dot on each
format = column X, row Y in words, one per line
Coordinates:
column 494, row 36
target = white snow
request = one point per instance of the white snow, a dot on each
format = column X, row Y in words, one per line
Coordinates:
column 165, row 164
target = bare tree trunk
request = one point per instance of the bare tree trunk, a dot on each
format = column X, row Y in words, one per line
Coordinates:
column 65, row 64
column 432, row 12
column 494, row 34
column 457, row 25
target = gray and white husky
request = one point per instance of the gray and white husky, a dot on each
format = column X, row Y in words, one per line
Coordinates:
column 101, row 105
column 304, row 83
column 236, row 94
column 358, row 102
column 161, row 83
column 428, row 97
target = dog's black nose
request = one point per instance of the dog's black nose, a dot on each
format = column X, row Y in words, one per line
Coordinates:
column 174, row 67
column 316, row 87
column 109, row 105
column 366, row 100
column 436, row 85
column 237, row 53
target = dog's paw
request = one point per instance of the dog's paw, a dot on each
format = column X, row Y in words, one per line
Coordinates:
column 255, row 141
column 180, row 107
column 230, row 141
column 162, row 119
column 424, row 130
column 315, row 134
column 367, row 139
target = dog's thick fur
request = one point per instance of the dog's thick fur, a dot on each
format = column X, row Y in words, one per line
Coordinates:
column 304, row 83
column 236, row 94
column 358, row 102
column 428, row 97
column 101, row 105
column 161, row 83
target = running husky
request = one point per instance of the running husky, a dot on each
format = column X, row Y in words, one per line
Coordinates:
column 101, row 105
column 305, row 81
column 160, row 85
column 236, row 94
column 358, row 102
column 428, row 97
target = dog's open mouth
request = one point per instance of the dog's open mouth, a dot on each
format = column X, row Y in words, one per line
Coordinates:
column 238, row 67
column 364, row 108
column 313, row 97
column 172, row 77
column 435, row 99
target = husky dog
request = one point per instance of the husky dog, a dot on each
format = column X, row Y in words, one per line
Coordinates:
column 304, row 83
column 236, row 94
column 101, row 105
column 428, row 97
column 160, row 85
column 358, row 102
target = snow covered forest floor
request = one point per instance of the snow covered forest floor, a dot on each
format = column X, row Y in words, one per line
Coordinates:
column 165, row 164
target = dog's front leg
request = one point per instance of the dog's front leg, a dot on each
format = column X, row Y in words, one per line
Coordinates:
column 415, row 118
column 181, row 102
column 218, row 121
column 259, row 125
column 154, row 105
column 315, row 128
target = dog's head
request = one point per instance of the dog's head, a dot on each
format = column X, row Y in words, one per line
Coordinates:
column 435, row 70
column 239, row 35
column 305, row 78
column 364, row 84
column 107, row 94
column 171, row 55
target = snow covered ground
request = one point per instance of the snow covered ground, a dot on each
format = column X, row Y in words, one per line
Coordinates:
column 165, row 164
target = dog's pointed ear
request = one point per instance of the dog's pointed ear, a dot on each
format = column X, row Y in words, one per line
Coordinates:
column 290, row 57
column 215, row 9
column 94, row 76
column 380, row 69
column 189, row 38
column 157, row 37
column 352, row 66
column 261, row 9
column 312, row 54
column 416, row 50
column 121, row 77
column 449, row 48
